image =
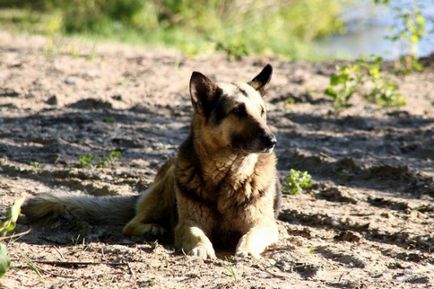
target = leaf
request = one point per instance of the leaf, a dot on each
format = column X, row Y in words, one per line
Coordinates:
column 116, row 154
column 330, row 92
column 334, row 79
column 420, row 20
column 15, row 210
column 86, row 160
column 5, row 261
column 13, row 214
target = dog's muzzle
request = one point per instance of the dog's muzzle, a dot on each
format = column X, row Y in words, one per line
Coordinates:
column 268, row 142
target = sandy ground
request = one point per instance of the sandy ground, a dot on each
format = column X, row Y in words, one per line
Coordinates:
column 367, row 223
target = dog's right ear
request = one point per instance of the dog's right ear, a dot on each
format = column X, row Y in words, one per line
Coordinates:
column 204, row 93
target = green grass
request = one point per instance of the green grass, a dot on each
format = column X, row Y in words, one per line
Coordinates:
column 237, row 28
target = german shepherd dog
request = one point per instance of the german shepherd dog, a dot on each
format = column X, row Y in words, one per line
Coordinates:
column 221, row 189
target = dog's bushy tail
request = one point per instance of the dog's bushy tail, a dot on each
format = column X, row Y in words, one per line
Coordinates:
column 113, row 210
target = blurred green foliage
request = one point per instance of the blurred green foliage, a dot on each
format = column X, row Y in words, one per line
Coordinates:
column 365, row 77
column 408, row 34
column 412, row 32
column 237, row 27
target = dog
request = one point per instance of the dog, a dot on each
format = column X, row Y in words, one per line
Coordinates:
column 221, row 190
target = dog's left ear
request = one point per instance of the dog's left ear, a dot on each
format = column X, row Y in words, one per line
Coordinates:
column 262, row 79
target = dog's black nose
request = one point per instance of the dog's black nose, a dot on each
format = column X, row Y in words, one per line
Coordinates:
column 269, row 141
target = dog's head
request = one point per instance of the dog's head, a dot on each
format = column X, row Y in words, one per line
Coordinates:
column 233, row 115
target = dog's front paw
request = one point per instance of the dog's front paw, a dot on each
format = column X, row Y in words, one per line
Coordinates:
column 203, row 251
column 247, row 253
column 139, row 229
column 153, row 230
column 246, row 249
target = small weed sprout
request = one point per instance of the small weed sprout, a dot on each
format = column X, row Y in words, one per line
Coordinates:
column 90, row 160
column 5, row 260
column 232, row 272
column 86, row 160
column 35, row 165
column 109, row 158
column 32, row 265
column 76, row 240
column 343, row 85
column 384, row 92
column 8, row 226
column 296, row 182
column 108, row 119
column 10, row 223
column 313, row 250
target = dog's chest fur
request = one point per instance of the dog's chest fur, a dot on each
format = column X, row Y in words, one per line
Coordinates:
column 229, row 189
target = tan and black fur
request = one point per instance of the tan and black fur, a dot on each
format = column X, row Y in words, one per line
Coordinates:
column 221, row 189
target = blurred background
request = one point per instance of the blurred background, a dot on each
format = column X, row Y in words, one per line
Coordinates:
column 295, row 29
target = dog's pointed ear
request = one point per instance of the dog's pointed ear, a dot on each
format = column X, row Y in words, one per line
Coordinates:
column 204, row 92
column 262, row 79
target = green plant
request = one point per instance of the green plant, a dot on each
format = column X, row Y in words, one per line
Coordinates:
column 232, row 272
column 313, row 250
column 5, row 261
column 90, row 160
column 86, row 160
column 8, row 226
column 109, row 158
column 356, row 77
column 35, row 165
column 32, row 265
column 381, row 1
column 13, row 213
column 383, row 91
column 234, row 50
column 343, row 84
column 409, row 32
column 296, row 182
column 109, row 119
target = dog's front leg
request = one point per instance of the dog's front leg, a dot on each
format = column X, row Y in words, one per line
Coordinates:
column 257, row 239
column 193, row 240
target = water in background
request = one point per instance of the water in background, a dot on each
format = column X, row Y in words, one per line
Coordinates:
column 368, row 24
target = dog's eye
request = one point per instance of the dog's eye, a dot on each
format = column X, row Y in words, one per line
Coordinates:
column 262, row 111
column 240, row 111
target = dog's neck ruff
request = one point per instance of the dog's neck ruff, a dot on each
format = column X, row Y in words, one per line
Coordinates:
column 217, row 165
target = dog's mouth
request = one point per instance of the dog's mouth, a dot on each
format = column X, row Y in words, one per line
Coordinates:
column 245, row 150
column 268, row 150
